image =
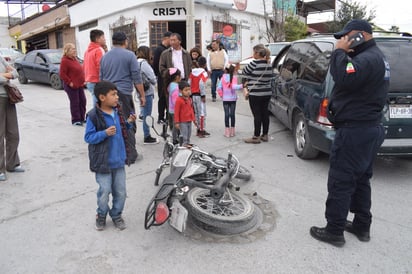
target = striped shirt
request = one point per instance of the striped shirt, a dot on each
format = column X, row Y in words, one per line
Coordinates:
column 259, row 75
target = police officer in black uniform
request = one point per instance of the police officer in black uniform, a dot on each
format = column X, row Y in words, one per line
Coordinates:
column 361, row 76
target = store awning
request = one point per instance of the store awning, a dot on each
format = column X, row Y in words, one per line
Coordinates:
column 46, row 28
column 318, row 6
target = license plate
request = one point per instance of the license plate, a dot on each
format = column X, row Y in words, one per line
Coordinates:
column 400, row 111
column 178, row 216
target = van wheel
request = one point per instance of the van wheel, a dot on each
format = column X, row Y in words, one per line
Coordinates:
column 303, row 145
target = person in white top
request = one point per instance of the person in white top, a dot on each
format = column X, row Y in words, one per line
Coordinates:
column 216, row 60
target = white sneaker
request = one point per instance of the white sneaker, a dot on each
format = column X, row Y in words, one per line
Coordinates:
column 2, row 177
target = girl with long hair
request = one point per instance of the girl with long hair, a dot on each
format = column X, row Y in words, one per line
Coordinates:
column 144, row 55
column 226, row 89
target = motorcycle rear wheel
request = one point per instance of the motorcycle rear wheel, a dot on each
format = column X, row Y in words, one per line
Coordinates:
column 234, row 218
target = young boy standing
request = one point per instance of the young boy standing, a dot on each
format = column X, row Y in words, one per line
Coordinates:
column 184, row 115
column 106, row 134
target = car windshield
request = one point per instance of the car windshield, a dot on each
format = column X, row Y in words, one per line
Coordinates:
column 55, row 57
column 275, row 48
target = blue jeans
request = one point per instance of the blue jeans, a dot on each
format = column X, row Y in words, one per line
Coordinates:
column 185, row 132
column 229, row 107
column 146, row 111
column 90, row 87
column 114, row 183
column 214, row 76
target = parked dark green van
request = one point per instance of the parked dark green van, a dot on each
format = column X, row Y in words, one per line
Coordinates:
column 303, row 85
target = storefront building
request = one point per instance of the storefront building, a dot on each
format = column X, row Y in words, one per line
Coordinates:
column 49, row 29
column 238, row 24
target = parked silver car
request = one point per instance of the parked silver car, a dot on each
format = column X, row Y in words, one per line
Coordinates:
column 10, row 55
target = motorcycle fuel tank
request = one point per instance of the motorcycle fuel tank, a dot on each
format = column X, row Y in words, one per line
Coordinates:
column 181, row 157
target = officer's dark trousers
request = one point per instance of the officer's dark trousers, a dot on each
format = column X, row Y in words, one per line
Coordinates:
column 351, row 161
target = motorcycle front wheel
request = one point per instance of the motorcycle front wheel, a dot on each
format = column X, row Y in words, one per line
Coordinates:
column 236, row 216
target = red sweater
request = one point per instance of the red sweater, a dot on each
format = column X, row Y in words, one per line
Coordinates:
column 91, row 62
column 71, row 72
column 197, row 75
column 184, row 110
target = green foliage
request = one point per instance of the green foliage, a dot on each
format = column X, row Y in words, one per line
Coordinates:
column 394, row 29
column 349, row 10
column 294, row 28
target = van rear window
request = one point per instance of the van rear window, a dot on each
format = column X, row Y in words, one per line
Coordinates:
column 399, row 55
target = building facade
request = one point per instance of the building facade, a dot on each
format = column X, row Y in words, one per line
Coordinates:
column 48, row 29
column 238, row 24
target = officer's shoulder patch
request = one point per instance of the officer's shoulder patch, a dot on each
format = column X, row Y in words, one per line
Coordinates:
column 350, row 68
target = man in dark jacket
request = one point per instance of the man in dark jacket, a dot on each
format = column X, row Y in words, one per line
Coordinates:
column 361, row 76
column 161, row 90
column 176, row 57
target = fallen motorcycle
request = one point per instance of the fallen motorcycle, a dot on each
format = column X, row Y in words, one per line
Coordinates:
column 200, row 187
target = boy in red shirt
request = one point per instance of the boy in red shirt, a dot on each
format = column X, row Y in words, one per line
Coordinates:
column 184, row 114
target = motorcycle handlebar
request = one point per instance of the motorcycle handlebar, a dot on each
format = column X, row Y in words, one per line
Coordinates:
column 204, row 152
column 218, row 189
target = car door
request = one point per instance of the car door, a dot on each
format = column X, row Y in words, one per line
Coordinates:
column 285, row 82
column 27, row 65
column 310, row 88
column 41, row 68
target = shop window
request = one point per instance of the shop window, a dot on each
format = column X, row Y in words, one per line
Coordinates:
column 130, row 31
column 39, row 42
column 157, row 28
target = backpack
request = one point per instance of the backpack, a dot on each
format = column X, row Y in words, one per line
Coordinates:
column 146, row 82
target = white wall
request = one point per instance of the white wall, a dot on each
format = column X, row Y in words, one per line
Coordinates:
column 6, row 41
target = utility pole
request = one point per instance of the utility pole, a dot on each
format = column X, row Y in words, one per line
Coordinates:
column 190, row 24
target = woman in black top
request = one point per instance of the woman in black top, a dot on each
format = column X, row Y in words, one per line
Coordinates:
column 259, row 74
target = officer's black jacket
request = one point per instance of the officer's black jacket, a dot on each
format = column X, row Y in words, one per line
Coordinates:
column 360, row 92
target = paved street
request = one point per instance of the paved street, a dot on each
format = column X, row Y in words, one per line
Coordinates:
column 47, row 213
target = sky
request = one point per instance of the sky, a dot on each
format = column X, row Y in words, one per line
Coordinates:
column 388, row 13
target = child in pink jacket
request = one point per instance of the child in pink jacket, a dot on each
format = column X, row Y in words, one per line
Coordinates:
column 173, row 93
column 226, row 89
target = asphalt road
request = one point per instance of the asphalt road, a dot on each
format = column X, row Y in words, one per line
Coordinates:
column 47, row 213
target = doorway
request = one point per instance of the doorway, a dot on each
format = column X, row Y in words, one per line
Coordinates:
column 157, row 28
column 178, row 27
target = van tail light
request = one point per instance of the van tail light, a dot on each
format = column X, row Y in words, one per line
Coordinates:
column 162, row 213
column 323, row 113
